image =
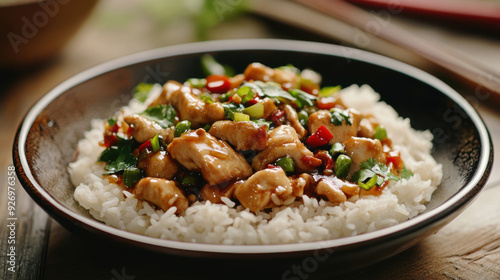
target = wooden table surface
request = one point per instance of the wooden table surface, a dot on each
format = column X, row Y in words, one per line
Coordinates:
column 467, row 248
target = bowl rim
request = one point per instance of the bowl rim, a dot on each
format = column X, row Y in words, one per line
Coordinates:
column 51, row 205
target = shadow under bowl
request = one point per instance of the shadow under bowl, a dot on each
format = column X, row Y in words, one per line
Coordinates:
column 47, row 138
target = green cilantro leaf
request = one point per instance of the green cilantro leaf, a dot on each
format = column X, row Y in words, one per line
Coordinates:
column 142, row 90
column 339, row 116
column 206, row 98
column 406, row 173
column 119, row 156
column 373, row 173
column 164, row 115
column 303, row 98
column 271, row 90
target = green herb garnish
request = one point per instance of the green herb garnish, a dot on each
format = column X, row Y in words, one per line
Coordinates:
column 329, row 91
column 302, row 98
column 164, row 115
column 406, row 173
column 141, row 91
column 206, row 98
column 380, row 133
column 119, row 156
column 372, row 173
column 338, row 116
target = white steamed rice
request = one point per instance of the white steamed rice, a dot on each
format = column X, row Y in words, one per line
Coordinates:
column 306, row 220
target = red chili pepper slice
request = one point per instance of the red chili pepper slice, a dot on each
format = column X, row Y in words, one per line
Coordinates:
column 145, row 145
column 251, row 102
column 218, row 83
column 278, row 117
column 395, row 159
column 320, row 137
column 110, row 139
column 114, row 128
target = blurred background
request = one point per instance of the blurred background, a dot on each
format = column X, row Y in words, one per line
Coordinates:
column 44, row 43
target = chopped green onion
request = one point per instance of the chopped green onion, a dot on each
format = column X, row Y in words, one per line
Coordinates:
column 336, row 149
column 244, row 90
column 370, row 184
column 303, row 118
column 141, row 91
column 206, row 98
column 182, row 127
column 240, row 117
column 155, row 143
column 246, row 94
column 380, row 133
column 192, row 179
column 342, row 165
column 286, row 163
column 225, row 97
column 255, row 111
column 131, row 176
column 248, row 97
column 197, row 83
column 207, row 127
column 328, row 91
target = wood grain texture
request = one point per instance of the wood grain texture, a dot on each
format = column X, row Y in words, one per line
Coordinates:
column 31, row 237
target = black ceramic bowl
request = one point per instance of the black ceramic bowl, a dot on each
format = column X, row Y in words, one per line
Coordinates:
column 46, row 140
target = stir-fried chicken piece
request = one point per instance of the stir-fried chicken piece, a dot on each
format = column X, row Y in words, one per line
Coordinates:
column 360, row 149
column 162, row 193
column 215, row 194
column 259, row 72
column 284, row 141
column 340, row 133
column 265, row 189
column 244, row 135
column 159, row 164
column 367, row 126
column 236, row 80
column 329, row 190
column 190, row 107
column 334, row 189
column 168, row 88
column 144, row 129
column 269, row 107
column 301, row 185
column 218, row 162
column 293, row 120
